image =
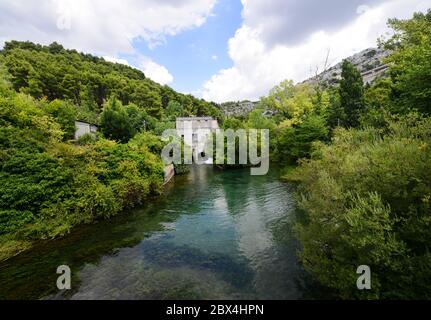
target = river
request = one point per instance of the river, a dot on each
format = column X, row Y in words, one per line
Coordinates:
column 212, row 235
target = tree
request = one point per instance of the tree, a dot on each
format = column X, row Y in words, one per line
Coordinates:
column 351, row 93
column 148, row 97
column 294, row 143
column 65, row 114
column 232, row 123
column 336, row 116
column 137, row 118
column 71, row 88
column 57, row 73
column 292, row 101
column 55, row 48
column 115, row 122
column 174, row 110
column 378, row 103
column 256, row 120
column 411, row 63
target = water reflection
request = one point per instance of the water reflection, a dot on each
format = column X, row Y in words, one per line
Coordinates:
column 213, row 235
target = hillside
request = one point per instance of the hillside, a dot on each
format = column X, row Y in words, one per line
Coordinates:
column 369, row 62
column 53, row 72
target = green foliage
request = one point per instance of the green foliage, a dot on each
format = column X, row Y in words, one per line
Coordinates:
column 174, row 110
column 294, row 102
column 232, row 123
column 351, row 93
column 378, row 103
column 411, row 63
column 64, row 114
column 336, row 115
column 12, row 220
column 302, row 119
column 160, row 127
column 365, row 197
column 294, row 143
column 96, row 200
column 256, row 120
column 115, row 122
column 378, row 96
column 87, row 81
column 86, row 139
column 139, row 119
column 367, row 202
column 48, row 186
column 148, row 140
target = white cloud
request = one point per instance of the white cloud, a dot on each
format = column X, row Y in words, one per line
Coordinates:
column 155, row 71
column 214, row 57
column 260, row 63
column 116, row 60
column 152, row 70
column 103, row 27
column 292, row 21
column 100, row 26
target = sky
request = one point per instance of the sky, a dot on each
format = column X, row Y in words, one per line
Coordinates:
column 220, row 50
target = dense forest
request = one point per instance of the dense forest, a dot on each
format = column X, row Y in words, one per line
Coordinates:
column 86, row 81
column 360, row 155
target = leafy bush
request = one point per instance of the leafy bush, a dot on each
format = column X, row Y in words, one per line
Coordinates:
column 115, row 122
column 48, row 186
column 12, row 220
column 366, row 199
column 294, row 143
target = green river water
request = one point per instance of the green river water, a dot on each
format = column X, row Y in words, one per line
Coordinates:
column 212, row 235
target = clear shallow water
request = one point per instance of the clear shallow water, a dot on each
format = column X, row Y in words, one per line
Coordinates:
column 212, row 235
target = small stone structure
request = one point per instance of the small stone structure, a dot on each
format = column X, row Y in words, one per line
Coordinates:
column 195, row 132
column 83, row 128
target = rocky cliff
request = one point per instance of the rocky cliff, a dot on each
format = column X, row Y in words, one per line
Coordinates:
column 238, row 109
column 369, row 62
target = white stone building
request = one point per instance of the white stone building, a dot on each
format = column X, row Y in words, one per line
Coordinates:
column 83, row 128
column 195, row 132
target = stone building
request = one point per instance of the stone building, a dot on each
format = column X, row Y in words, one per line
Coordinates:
column 83, row 128
column 195, row 132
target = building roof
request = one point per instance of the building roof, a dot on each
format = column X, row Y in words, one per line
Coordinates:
column 91, row 124
column 194, row 118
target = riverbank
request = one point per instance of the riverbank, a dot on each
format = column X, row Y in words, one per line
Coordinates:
column 288, row 174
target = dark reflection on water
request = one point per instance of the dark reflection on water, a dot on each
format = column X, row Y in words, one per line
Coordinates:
column 212, row 235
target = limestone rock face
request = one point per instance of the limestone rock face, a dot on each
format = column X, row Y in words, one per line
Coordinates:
column 369, row 62
column 237, row 109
